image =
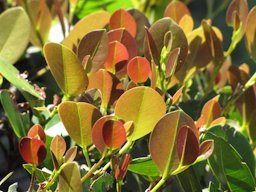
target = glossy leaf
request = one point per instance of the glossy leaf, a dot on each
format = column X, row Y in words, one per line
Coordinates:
column 177, row 96
column 250, row 33
column 117, row 53
column 123, row 19
column 13, row 76
column 37, row 131
column 141, row 21
column 225, row 163
column 13, row 114
column 164, row 151
column 14, row 34
column 32, row 150
column 158, row 31
column 187, row 24
column 70, row 154
column 144, row 166
column 110, row 87
column 137, row 104
column 95, row 44
column 70, row 179
column 124, row 37
column 176, row 10
column 96, row 20
column 138, row 69
column 79, row 124
column 171, row 63
column 58, row 148
column 66, row 69
column 238, row 141
column 41, row 18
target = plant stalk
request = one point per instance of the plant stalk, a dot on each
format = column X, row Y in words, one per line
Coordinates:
column 158, row 185
column 87, row 158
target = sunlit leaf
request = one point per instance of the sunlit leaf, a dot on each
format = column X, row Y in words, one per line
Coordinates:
column 123, row 19
column 41, row 18
column 158, row 31
column 14, row 34
column 32, row 150
column 214, row 43
column 164, row 151
column 124, row 37
column 137, row 104
column 117, row 53
column 13, row 76
column 79, row 124
column 58, row 148
column 186, row 23
column 70, row 154
column 176, row 10
column 70, row 179
column 138, row 69
column 110, row 87
column 141, row 21
column 210, row 112
column 95, row 44
column 108, row 132
column 96, row 20
column 177, row 96
column 66, row 69
column 37, row 131
column 250, row 33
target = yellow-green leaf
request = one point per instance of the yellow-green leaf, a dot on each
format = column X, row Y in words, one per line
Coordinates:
column 66, row 69
column 142, row 105
column 14, row 33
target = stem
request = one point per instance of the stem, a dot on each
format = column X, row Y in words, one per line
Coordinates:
column 126, row 147
column 31, row 185
column 158, row 185
column 119, row 186
column 87, row 158
column 55, row 174
column 94, row 167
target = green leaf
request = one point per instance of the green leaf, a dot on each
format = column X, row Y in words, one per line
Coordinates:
column 41, row 175
column 238, row 141
column 70, row 179
column 58, row 148
column 144, row 166
column 12, row 75
column 66, row 69
column 213, row 187
column 137, row 105
column 102, row 183
column 14, row 34
column 13, row 114
column 78, row 119
column 227, row 166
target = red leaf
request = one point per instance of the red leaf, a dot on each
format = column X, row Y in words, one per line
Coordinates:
column 71, row 154
column 58, row 148
column 32, row 150
column 117, row 53
column 122, row 168
column 114, row 134
column 123, row 19
column 187, row 146
column 176, row 10
column 138, row 69
column 37, row 132
column 206, row 148
column 124, row 37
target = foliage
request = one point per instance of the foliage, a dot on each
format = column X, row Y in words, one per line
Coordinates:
column 152, row 102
